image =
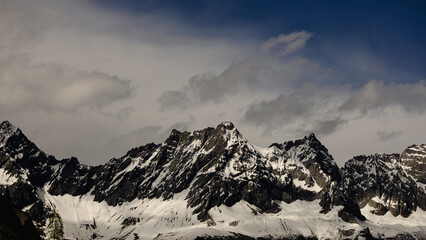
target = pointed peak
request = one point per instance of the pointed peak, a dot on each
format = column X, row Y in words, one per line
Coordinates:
column 7, row 130
column 7, row 127
column 227, row 125
column 175, row 132
column 313, row 141
column 6, row 122
column 312, row 137
column 309, row 140
column 174, row 136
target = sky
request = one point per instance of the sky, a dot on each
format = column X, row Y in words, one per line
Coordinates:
column 93, row 79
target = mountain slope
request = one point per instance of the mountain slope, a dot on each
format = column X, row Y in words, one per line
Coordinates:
column 213, row 182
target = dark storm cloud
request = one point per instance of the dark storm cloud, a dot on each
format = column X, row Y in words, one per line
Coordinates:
column 384, row 135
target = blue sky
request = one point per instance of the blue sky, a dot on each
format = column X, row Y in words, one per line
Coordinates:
column 93, row 79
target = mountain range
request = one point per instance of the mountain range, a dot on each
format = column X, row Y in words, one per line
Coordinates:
column 214, row 184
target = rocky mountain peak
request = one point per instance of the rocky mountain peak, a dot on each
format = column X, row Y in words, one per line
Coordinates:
column 227, row 125
column 413, row 160
column 12, row 138
column 312, row 137
column 230, row 134
column 313, row 141
column 7, row 130
column 382, row 182
column 6, row 126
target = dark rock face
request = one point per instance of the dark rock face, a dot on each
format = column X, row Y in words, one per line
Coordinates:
column 413, row 160
column 380, row 181
column 22, row 160
column 72, row 178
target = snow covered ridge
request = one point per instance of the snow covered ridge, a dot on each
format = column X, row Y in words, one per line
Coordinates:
column 213, row 182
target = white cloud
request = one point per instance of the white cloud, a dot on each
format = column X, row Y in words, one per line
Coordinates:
column 52, row 87
column 288, row 43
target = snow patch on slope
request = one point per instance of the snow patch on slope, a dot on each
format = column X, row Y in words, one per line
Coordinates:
column 82, row 216
column 389, row 226
column 6, row 178
column 297, row 218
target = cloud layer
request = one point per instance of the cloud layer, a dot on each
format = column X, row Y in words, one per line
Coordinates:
column 323, row 111
column 85, row 81
column 51, row 87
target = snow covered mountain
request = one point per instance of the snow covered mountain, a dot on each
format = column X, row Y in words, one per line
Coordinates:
column 214, row 184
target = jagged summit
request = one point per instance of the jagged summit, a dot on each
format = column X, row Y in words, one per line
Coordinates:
column 6, row 125
column 227, row 125
column 214, row 181
column 7, row 130
column 413, row 159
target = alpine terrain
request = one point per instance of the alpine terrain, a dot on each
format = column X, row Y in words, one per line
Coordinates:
column 214, row 184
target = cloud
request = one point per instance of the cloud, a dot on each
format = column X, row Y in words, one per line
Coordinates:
column 384, row 135
column 121, row 114
column 327, row 127
column 174, row 99
column 89, row 89
column 52, row 87
column 282, row 110
column 254, row 73
column 289, row 43
column 27, row 85
column 208, row 87
column 306, row 110
column 124, row 113
column 313, row 109
column 22, row 25
column 375, row 95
